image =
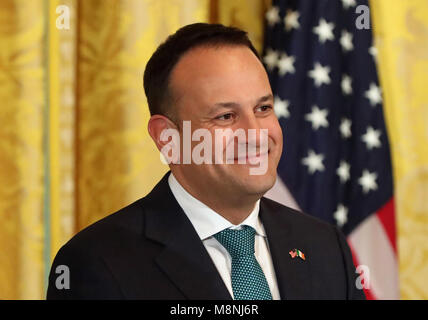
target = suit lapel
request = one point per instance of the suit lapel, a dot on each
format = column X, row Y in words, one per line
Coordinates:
column 184, row 258
column 188, row 265
column 293, row 275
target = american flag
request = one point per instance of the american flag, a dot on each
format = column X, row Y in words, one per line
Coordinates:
column 336, row 163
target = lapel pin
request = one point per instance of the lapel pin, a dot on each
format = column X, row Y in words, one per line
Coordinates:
column 297, row 253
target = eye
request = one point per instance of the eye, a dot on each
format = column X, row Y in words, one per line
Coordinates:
column 265, row 108
column 226, row 116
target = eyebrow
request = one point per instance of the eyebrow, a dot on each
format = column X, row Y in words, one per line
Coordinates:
column 220, row 105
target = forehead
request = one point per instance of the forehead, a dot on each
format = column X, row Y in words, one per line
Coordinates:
column 219, row 73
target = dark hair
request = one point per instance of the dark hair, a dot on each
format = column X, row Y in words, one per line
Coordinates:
column 166, row 56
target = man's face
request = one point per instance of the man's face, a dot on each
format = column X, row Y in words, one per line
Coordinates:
column 221, row 88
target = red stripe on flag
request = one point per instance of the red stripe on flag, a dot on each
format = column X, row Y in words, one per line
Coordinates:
column 368, row 292
column 386, row 215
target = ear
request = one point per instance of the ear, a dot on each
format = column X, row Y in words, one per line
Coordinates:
column 157, row 124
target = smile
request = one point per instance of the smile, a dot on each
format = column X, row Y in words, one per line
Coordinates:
column 256, row 156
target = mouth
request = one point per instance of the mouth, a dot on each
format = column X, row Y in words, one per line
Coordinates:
column 258, row 155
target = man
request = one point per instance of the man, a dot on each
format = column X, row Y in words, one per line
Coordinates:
column 205, row 231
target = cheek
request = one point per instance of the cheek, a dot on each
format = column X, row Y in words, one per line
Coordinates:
column 274, row 130
column 277, row 134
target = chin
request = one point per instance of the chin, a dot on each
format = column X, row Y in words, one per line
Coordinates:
column 259, row 184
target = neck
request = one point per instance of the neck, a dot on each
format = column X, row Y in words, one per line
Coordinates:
column 234, row 214
column 234, row 208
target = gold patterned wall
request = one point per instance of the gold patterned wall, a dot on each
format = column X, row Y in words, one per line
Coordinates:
column 21, row 148
column 244, row 14
column 73, row 136
column 117, row 162
column 401, row 30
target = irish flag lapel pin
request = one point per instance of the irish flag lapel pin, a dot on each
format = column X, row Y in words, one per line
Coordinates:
column 297, row 253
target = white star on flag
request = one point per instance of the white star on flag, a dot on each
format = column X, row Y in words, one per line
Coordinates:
column 346, row 85
column 345, row 128
column 371, row 138
column 281, row 107
column 314, row 162
column 374, row 94
column 272, row 16
column 320, row 74
column 343, row 171
column 324, row 30
column 348, row 3
column 286, row 64
column 341, row 215
column 291, row 20
column 271, row 59
column 368, row 181
column 318, row 117
column 346, row 41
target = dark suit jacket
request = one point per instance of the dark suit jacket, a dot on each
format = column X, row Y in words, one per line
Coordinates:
column 150, row 250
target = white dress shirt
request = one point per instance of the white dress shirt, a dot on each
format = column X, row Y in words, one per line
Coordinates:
column 207, row 223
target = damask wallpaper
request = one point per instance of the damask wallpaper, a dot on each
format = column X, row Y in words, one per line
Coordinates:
column 401, row 30
column 74, row 145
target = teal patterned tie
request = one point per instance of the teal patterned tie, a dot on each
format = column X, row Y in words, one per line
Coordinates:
column 248, row 279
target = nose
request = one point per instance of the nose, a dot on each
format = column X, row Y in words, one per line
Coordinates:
column 251, row 124
column 250, row 121
column 257, row 140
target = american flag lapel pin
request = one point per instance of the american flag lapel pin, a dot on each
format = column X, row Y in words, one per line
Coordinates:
column 297, row 253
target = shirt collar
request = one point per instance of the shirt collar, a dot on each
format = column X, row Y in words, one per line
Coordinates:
column 206, row 221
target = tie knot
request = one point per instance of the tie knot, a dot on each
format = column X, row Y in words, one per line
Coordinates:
column 237, row 242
